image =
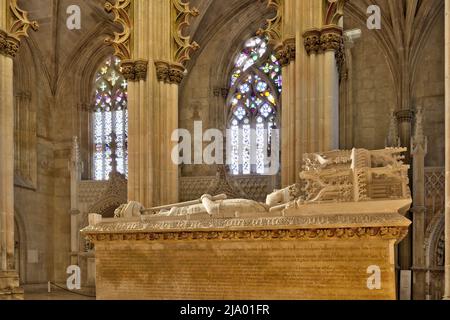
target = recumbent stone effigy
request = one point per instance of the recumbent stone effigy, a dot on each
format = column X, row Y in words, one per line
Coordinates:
column 318, row 239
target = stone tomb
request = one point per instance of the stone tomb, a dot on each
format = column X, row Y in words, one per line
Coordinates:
column 307, row 242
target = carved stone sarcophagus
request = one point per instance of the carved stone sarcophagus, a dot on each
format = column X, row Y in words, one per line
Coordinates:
column 331, row 236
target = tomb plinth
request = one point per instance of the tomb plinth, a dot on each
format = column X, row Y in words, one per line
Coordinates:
column 301, row 244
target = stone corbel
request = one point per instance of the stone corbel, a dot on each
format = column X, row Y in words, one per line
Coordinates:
column 286, row 52
column 135, row 70
column 171, row 73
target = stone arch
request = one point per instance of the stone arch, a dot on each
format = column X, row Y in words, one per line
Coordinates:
column 221, row 34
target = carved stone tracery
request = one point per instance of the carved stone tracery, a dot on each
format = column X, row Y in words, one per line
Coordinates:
column 121, row 41
column 182, row 45
column 10, row 41
column 273, row 28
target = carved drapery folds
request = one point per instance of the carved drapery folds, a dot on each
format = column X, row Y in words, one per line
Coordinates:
column 10, row 41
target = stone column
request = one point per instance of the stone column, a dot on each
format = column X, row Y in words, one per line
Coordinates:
column 310, row 117
column 76, row 168
column 13, row 25
column 153, row 50
column 405, row 118
column 6, row 157
column 447, row 149
column 418, row 153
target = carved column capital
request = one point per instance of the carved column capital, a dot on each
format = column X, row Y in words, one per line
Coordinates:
column 134, row 70
column 404, row 116
column 9, row 45
column 286, row 51
column 312, row 41
column 172, row 73
column 221, row 92
column 331, row 38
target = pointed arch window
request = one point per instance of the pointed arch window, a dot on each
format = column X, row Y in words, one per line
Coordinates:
column 110, row 120
column 254, row 107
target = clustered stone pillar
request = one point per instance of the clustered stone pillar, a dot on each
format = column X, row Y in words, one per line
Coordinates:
column 8, row 49
column 310, row 117
column 9, row 46
column 152, row 105
column 447, row 149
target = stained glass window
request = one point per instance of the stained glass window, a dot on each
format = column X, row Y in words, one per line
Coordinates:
column 110, row 120
column 254, row 106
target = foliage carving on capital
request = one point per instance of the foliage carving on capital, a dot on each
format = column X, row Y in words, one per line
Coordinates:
column 121, row 40
column 134, row 70
column 183, row 47
column 171, row 73
column 312, row 41
column 286, row 51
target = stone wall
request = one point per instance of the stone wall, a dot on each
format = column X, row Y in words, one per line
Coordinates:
column 56, row 66
column 246, row 269
column 373, row 92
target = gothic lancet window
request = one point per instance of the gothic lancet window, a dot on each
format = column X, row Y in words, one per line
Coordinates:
column 254, row 107
column 110, row 120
